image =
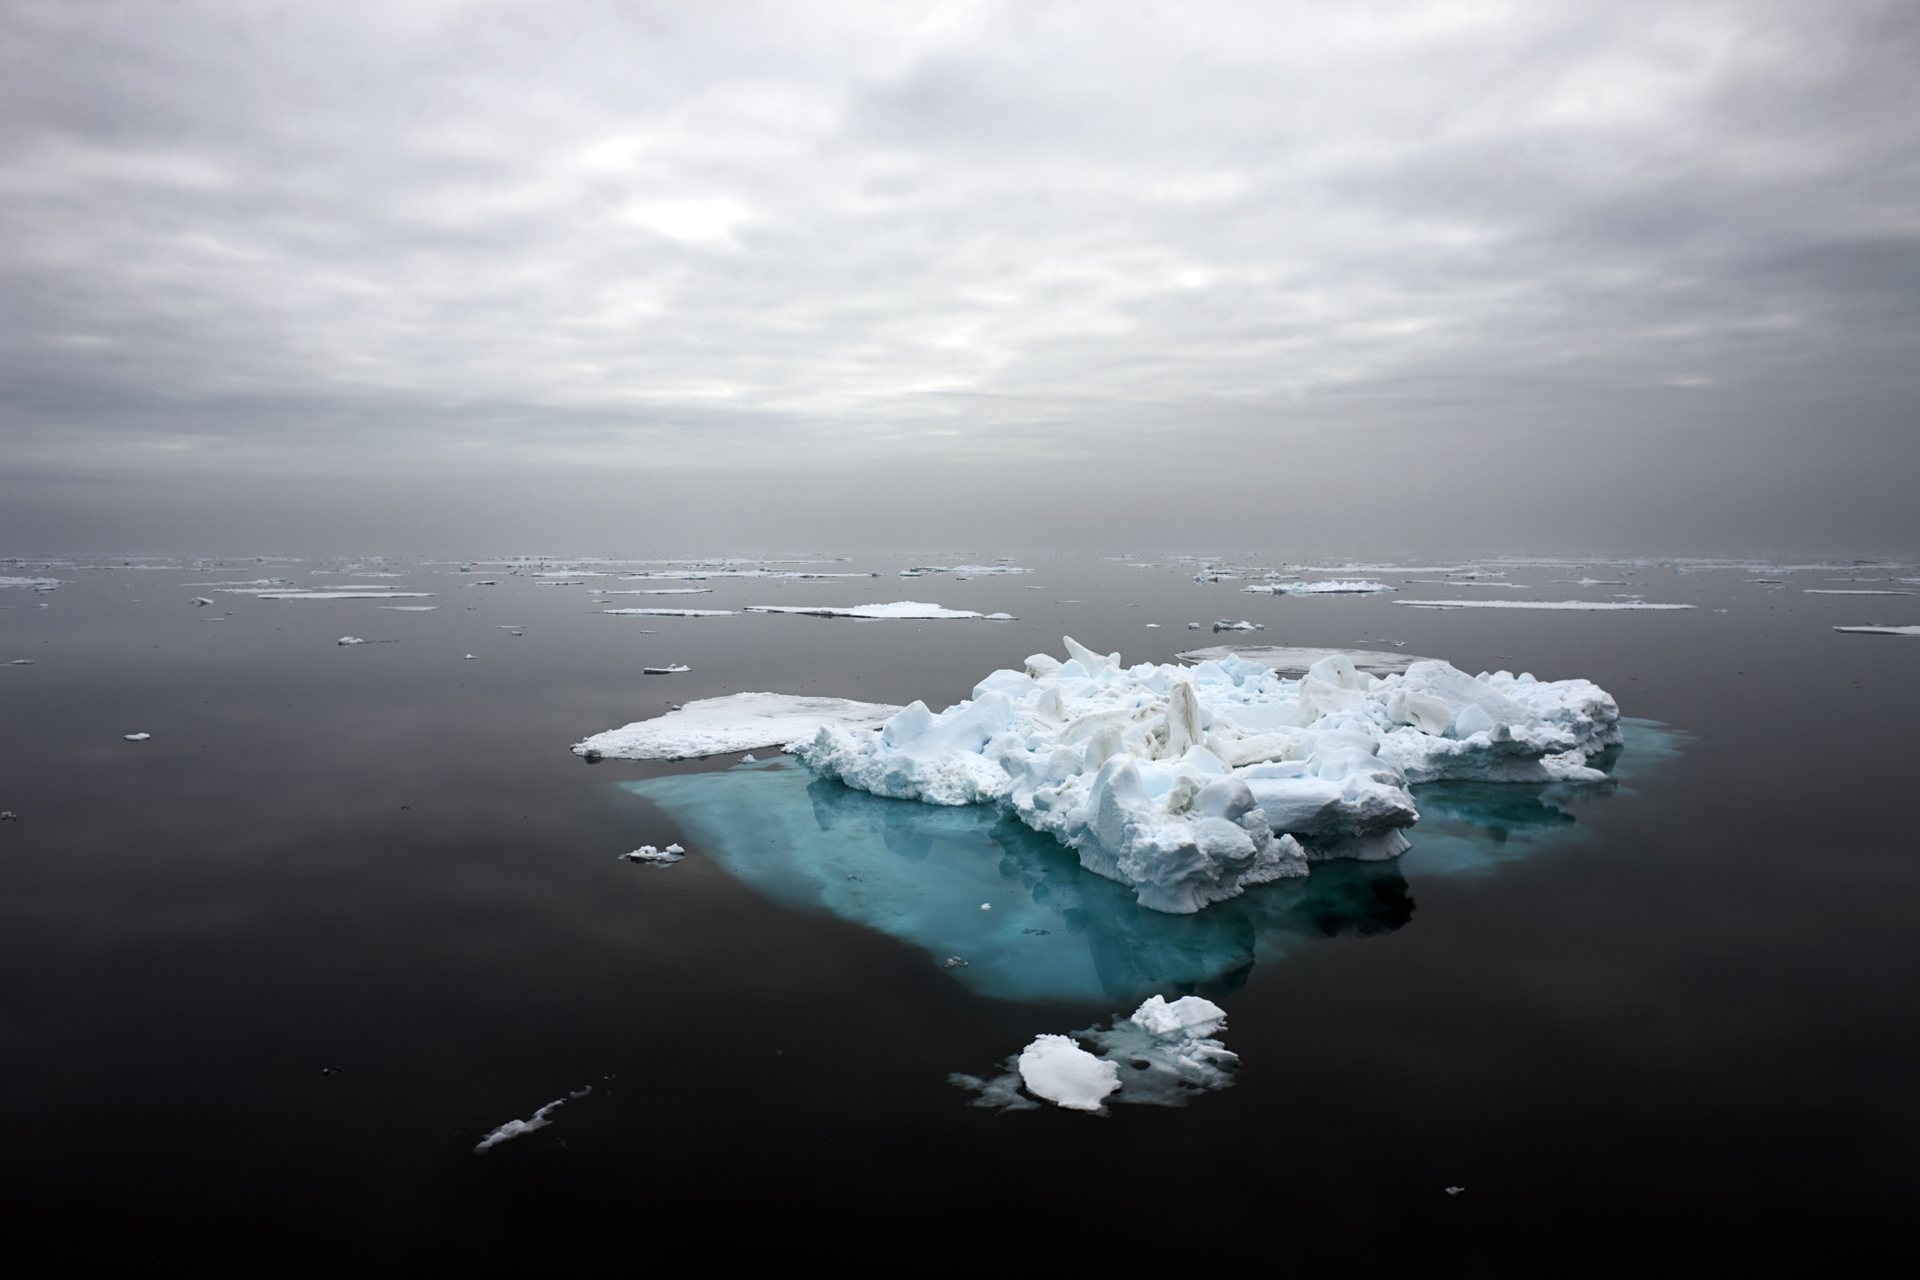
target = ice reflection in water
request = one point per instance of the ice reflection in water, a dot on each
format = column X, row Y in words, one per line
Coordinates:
column 1058, row 933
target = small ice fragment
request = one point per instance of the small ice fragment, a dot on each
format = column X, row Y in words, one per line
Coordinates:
column 999, row 617
column 748, row 759
column 671, row 669
column 986, row 906
column 136, row 737
column 200, row 600
column 1057, row 1069
column 350, row 640
column 1454, row 1191
column 472, row 655
column 581, row 1092
column 8, row 815
column 954, row 962
column 655, row 857
column 1193, row 626
column 1153, row 624
column 514, row 1128
column 21, row 662
column 1040, row 932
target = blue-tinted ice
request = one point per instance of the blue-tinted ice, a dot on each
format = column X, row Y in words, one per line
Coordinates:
column 1033, row 925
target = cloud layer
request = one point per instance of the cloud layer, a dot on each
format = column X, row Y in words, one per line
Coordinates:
column 263, row 237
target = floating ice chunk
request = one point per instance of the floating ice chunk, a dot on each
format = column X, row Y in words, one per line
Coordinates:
column 1000, row 617
column 199, row 601
column 408, row 608
column 662, row 591
column 670, row 613
column 738, row 722
column 898, row 609
column 136, row 737
column 21, row 662
column 1227, row 624
column 1835, row 591
column 1881, row 631
column 1057, row 1069
column 654, row 857
column 1593, row 606
column 350, row 640
column 1190, row 784
column 37, row 584
column 514, row 1128
column 671, row 669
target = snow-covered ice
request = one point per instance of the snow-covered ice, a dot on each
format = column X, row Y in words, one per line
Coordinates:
column 1594, row 606
column 1881, row 631
column 670, row 613
column 737, row 722
column 1189, row 784
column 897, row 609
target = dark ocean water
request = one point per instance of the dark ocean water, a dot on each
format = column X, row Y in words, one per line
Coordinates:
column 1662, row 1020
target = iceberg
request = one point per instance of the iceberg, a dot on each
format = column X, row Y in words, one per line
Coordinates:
column 898, row 609
column 737, row 722
column 1191, row 784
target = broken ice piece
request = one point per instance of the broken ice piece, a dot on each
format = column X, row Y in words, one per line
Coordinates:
column 472, row 656
column 514, row 1128
column 136, row 737
column 986, row 906
column 655, row 857
column 1057, row 1069
column 350, row 640
column 200, row 600
column 748, row 759
column 1454, row 1191
column 671, row 669
column 954, row 962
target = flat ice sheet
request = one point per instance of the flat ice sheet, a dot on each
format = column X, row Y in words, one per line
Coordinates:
column 1585, row 606
column 663, row 591
column 1335, row 588
column 670, row 613
column 1286, row 661
column 38, row 584
column 897, row 609
column 338, row 595
column 738, row 722
column 1880, row 631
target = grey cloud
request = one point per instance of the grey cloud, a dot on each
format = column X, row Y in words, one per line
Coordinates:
column 272, row 238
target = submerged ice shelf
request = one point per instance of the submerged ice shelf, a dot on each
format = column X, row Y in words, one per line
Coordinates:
column 1059, row 933
column 1190, row 784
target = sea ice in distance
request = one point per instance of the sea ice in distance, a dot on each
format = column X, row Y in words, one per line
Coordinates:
column 1355, row 588
column 670, row 613
column 1880, row 631
column 897, row 609
column 737, row 722
column 1189, row 784
column 1592, row 606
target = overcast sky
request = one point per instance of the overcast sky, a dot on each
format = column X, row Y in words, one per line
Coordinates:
column 1052, row 272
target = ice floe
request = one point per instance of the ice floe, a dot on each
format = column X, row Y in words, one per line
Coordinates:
column 1881, row 631
column 670, row 613
column 332, row 595
column 1189, row 784
column 1334, row 588
column 896, row 609
column 1838, row 591
column 1593, row 606
column 671, row 669
column 37, row 584
column 1160, row 1056
column 661, row 591
column 350, row 640
column 136, row 737
column 737, row 722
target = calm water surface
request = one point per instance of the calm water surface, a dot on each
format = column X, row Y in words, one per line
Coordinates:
column 1668, row 1018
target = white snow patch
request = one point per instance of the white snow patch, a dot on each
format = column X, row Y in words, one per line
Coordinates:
column 1190, row 783
column 738, row 722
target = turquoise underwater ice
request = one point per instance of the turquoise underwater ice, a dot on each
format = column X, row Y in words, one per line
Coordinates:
column 1032, row 925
